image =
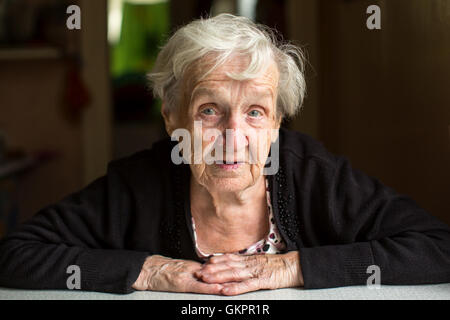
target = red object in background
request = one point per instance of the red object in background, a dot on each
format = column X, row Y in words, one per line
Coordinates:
column 77, row 96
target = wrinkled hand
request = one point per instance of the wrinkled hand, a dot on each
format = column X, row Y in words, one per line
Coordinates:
column 239, row 274
column 174, row 275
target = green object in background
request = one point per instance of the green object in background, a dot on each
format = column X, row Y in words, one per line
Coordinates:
column 144, row 28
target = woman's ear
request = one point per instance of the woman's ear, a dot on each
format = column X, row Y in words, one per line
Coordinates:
column 277, row 126
column 169, row 120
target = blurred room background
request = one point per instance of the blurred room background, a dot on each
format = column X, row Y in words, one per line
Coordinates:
column 73, row 100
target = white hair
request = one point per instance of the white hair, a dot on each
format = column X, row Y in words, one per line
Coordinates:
column 222, row 36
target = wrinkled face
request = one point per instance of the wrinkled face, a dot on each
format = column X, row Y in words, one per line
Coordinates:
column 236, row 119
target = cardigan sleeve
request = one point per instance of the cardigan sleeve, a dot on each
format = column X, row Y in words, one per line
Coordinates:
column 86, row 230
column 374, row 225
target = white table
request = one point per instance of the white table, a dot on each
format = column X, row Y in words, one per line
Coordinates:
column 422, row 292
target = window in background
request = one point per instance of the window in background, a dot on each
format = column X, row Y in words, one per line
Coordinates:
column 223, row 6
column 136, row 29
column 247, row 8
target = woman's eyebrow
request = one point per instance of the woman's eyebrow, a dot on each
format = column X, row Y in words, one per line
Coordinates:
column 202, row 91
column 208, row 92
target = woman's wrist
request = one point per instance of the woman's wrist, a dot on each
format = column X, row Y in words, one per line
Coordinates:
column 293, row 268
column 141, row 282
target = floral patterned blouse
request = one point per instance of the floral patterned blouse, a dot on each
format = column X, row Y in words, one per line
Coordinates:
column 271, row 244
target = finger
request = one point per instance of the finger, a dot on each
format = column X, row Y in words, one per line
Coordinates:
column 232, row 262
column 225, row 257
column 215, row 267
column 202, row 287
column 235, row 288
column 249, row 260
column 227, row 275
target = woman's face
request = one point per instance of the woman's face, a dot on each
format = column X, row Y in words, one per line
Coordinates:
column 233, row 120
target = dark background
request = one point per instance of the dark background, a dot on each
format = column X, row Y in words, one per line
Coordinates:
column 71, row 101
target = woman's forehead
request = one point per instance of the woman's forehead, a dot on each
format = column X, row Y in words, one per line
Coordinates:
column 234, row 64
column 220, row 76
column 254, row 88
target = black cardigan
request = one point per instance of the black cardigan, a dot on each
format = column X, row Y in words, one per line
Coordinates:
column 339, row 219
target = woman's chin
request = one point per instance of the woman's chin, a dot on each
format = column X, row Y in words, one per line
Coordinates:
column 231, row 178
column 229, row 184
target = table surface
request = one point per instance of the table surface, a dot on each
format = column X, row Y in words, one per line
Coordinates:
column 422, row 292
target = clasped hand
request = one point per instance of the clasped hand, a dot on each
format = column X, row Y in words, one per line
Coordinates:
column 227, row 274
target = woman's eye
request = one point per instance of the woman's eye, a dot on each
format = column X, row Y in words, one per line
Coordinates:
column 208, row 111
column 254, row 113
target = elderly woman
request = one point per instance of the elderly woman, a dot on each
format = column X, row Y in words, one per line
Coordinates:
column 228, row 226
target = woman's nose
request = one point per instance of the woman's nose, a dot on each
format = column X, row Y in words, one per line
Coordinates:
column 234, row 135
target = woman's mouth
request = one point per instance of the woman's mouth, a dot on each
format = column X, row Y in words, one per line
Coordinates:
column 230, row 166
